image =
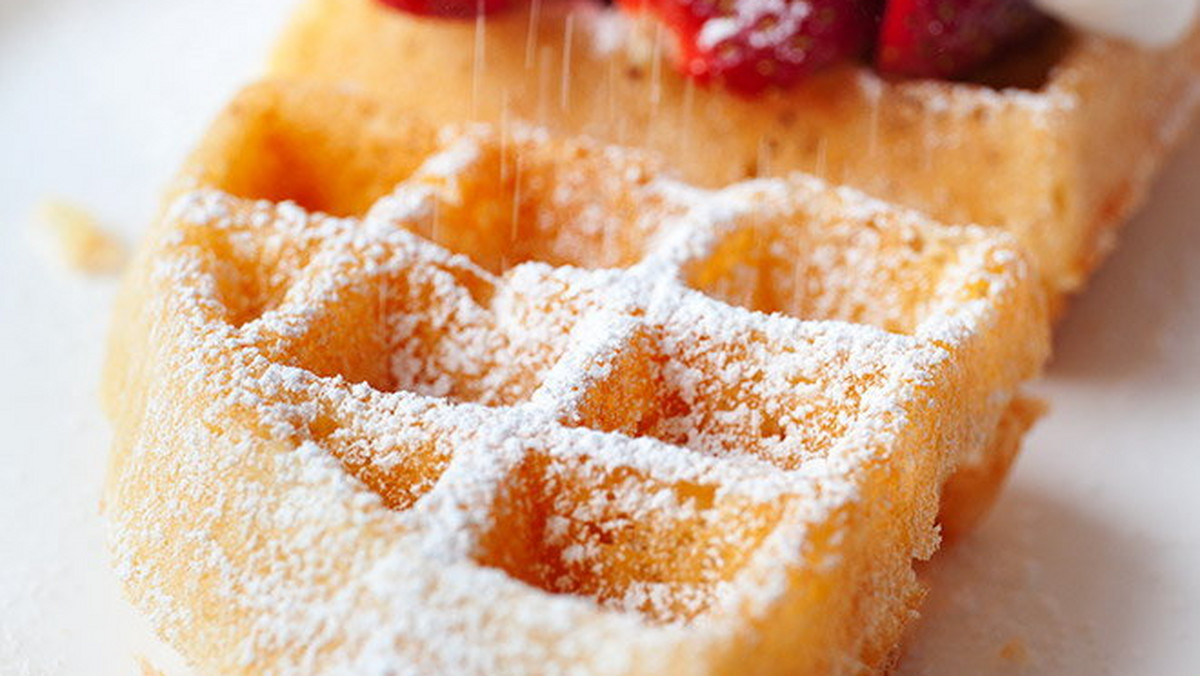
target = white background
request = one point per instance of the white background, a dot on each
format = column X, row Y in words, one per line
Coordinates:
column 1089, row 565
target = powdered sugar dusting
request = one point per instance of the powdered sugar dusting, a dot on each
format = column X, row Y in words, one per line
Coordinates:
column 369, row 448
column 749, row 17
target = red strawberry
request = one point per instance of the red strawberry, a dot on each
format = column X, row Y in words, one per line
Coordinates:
column 948, row 38
column 750, row 45
column 453, row 9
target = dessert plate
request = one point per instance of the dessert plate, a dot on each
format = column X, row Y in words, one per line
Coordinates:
column 1087, row 565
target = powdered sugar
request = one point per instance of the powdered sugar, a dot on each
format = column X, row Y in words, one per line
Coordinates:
column 766, row 23
column 370, row 448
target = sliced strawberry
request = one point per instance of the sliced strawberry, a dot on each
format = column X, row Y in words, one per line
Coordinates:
column 949, row 38
column 750, row 45
column 453, row 9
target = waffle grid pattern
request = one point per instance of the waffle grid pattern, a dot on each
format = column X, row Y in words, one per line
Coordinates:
column 566, row 435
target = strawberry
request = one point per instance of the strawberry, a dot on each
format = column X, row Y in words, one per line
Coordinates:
column 751, row 45
column 949, row 38
column 453, row 9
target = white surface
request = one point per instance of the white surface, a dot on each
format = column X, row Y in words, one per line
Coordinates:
column 1089, row 565
column 1153, row 23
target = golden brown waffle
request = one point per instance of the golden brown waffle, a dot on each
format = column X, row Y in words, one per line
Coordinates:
column 1059, row 147
column 533, row 406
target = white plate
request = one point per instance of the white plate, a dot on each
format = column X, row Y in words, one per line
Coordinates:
column 1090, row 563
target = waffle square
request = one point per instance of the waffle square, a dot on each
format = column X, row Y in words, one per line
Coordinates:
column 529, row 404
column 1058, row 144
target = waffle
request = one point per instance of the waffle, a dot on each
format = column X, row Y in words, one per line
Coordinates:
column 531, row 405
column 1058, row 145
